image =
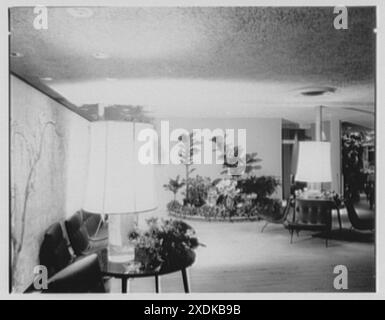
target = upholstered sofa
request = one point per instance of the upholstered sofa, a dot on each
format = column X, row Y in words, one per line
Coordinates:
column 87, row 233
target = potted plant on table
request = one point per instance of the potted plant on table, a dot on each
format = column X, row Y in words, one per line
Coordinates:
column 165, row 245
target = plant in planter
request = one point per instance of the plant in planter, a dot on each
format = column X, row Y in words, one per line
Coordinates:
column 165, row 244
column 186, row 153
column 227, row 188
column 212, row 196
column 233, row 163
column 245, row 204
column 209, row 211
column 174, row 206
column 256, row 193
column 174, row 185
column 263, row 186
column 198, row 191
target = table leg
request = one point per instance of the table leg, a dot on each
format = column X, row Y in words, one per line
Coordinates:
column 185, row 281
column 157, row 284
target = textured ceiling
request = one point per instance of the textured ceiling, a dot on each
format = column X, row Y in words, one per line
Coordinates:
column 280, row 49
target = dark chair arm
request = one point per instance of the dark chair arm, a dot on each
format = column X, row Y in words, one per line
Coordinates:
column 83, row 275
column 98, row 240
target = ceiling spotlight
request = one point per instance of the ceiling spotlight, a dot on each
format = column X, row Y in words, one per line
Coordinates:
column 80, row 12
column 15, row 54
column 46, row 79
column 101, row 55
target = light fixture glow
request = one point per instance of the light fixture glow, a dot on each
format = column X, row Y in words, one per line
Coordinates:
column 101, row 55
column 80, row 12
column 317, row 91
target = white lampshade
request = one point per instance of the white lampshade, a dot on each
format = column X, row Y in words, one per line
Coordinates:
column 314, row 162
column 117, row 182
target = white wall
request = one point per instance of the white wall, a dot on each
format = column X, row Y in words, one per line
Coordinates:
column 78, row 145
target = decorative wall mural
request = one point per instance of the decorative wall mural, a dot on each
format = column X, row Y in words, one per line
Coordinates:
column 32, row 143
column 48, row 161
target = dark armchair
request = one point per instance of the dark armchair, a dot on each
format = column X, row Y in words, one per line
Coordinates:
column 313, row 215
column 82, row 242
column 54, row 253
column 361, row 216
column 65, row 273
column 275, row 212
column 82, row 276
column 97, row 228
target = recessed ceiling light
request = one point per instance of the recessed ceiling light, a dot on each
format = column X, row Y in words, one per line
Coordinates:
column 111, row 79
column 317, row 91
column 15, row 54
column 46, row 79
column 101, row 55
column 80, row 12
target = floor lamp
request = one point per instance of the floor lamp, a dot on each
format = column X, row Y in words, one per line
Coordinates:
column 118, row 184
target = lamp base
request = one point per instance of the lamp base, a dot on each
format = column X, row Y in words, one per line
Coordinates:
column 120, row 248
column 121, row 254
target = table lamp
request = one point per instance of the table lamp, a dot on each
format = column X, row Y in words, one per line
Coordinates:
column 314, row 165
column 118, row 184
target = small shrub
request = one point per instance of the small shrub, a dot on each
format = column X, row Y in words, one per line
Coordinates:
column 174, row 206
column 263, row 186
column 198, row 190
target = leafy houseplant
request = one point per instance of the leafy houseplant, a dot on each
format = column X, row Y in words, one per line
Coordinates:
column 198, row 190
column 352, row 164
column 260, row 189
column 233, row 163
column 188, row 148
column 263, row 186
column 174, row 185
column 227, row 188
column 166, row 244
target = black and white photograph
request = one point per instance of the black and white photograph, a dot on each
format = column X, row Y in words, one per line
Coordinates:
column 192, row 149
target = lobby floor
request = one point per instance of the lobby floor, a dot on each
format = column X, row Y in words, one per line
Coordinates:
column 239, row 258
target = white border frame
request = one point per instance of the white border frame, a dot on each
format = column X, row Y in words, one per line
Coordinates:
column 380, row 159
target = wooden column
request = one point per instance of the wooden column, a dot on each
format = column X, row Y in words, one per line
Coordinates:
column 318, row 137
column 318, row 124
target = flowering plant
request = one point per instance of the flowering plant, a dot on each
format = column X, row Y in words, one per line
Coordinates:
column 212, row 197
column 227, row 188
column 164, row 244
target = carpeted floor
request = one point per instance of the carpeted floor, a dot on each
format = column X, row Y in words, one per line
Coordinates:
column 239, row 258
